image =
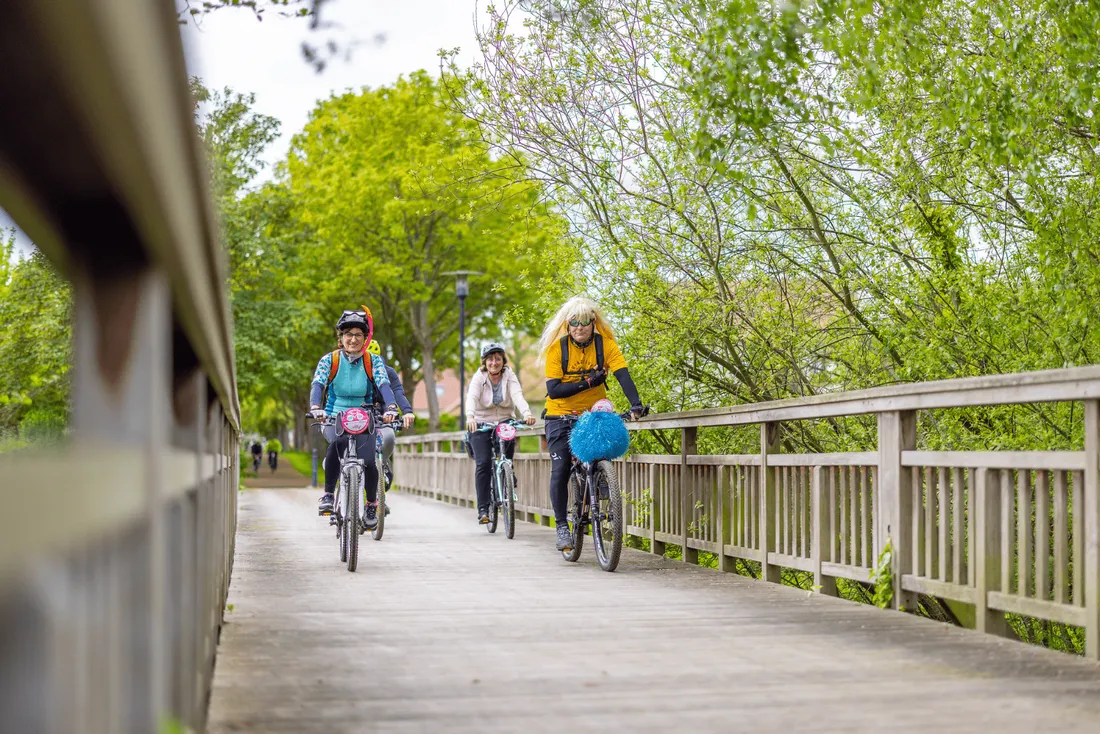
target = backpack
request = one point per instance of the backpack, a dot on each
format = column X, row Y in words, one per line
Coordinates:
column 565, row 355
column 368, row 367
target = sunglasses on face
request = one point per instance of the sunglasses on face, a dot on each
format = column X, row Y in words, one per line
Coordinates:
column 578, row 322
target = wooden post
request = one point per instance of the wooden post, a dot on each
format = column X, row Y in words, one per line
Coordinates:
column 769, row 444
column 122, row 386
column 819, row 510
column 723, row 535
column 897, row 432
column 987, row 547
column 689, row 445
column 1092, row 529
column 435, row 466
column 656, row 547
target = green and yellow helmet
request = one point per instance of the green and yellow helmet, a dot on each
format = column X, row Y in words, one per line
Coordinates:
column 374, row 347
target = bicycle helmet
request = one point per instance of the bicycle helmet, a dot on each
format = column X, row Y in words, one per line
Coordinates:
column 361, row 318
column 374, row 347
column 490, row 348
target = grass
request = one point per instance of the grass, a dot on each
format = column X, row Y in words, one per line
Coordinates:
column 302, row 461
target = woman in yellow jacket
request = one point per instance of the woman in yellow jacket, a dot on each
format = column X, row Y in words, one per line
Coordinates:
column 579, row 350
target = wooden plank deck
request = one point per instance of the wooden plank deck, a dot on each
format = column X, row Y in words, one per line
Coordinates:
column 446, row 628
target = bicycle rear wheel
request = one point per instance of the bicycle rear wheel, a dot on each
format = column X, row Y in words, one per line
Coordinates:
column 576, row 525
column 351, row 514
column 377, row 530
column 508, row 508
column 607, row 516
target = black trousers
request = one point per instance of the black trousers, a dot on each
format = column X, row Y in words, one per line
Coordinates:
column 561, row 462
column 364, row 449
column 482, row 444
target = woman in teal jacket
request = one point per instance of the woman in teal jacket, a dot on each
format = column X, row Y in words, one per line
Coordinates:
column 353, row 386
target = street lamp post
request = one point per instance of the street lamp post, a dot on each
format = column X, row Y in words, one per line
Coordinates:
column 462, row 289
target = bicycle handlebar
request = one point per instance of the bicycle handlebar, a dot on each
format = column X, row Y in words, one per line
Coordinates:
column 626, row 415
column 520, row 425
column 330, row 420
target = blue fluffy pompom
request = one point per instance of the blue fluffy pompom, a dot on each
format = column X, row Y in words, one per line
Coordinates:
column 598, row 436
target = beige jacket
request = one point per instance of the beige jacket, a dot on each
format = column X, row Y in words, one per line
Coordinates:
column 479, row 398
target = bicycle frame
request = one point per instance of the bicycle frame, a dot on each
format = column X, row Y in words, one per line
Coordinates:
column 349, row 463
column 588, row 475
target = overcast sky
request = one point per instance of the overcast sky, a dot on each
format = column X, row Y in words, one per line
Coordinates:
column 232, row 49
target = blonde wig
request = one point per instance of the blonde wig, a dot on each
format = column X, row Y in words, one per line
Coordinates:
column 577, row 307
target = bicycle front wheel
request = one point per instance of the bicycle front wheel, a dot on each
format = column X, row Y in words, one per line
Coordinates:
column 607, row 516
column 354, row 479
column 494, row 502
column 508, row 506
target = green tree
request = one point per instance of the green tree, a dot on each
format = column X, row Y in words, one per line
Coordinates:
column 786, row 199
column 35, row 343
column 277, row 328
column 396, row 190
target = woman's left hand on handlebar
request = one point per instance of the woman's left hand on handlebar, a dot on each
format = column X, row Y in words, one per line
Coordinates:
column 471, row 426
column 529, row 420
column 408, row 420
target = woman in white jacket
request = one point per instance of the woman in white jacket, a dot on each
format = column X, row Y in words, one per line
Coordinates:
column 494, row 396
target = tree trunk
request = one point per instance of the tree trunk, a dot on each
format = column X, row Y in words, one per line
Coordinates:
column 408, row 381
column 429, row 389
column 301, row 423
column 423, row 334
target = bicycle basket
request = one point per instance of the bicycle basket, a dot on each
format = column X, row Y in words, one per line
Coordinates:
column 598, row 437
column 355, row 421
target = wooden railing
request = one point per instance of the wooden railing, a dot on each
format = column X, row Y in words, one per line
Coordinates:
column 116, row 546
column 999, row 531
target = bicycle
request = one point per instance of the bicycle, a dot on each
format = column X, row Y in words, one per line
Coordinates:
column 345, row 511
column 504, row 476
column 597, row 503
column 256, row 464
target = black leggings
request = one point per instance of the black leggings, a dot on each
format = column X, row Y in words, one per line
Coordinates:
column 482, row 444
column 561, row 462
column 364, row 449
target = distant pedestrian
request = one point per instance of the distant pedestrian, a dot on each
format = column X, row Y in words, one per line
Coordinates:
column 273, row 449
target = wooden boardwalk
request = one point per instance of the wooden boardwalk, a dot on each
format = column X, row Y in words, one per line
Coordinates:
column 446, row 628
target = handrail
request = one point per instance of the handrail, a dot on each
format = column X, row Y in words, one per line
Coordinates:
column 118, row 544
column 121, row 78
column 1044, row 386
column 1000, row 531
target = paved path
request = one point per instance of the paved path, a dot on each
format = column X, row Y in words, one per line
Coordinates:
column 284, row 477
column 447, row 629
